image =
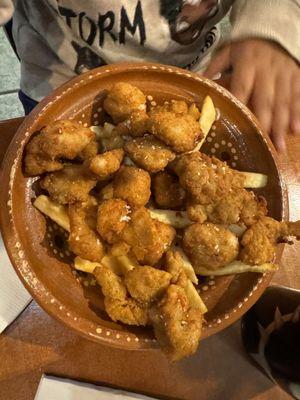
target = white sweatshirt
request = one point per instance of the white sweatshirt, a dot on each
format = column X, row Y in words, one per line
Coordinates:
column 58, row 39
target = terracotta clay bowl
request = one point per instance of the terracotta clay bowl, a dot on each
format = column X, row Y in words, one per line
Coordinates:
column 36, row 246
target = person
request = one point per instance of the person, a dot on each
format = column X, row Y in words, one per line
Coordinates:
column 57, row 40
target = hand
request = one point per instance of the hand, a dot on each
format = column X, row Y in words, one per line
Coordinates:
column 267, row 78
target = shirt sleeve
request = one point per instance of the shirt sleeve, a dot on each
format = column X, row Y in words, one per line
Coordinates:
column 277, row 20
column 6, row 11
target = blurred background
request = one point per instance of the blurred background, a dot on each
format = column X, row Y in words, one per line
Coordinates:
column 10, row 106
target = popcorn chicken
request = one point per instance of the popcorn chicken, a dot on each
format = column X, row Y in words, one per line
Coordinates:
column 69, row 185
column 167, row 191
column 106, row 164
column 149, row 153
column 59, row 139
column 122, row 100
column 209, row 245
column 132, row 185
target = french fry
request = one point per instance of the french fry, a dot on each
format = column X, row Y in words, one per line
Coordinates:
column 254, row 180
column 120, row 265
column 207, row 118
column 85, row 265
column 186, row 265
column 237, row 230
column 54, row 211
column 236, row 267
column 194, row 297
column 178, row 219
column 102, row 131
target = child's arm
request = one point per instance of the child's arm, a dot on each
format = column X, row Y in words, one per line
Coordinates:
column 264, row 56
column 6, row 11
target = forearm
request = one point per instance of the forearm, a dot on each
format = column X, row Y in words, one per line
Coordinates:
column 276, row 20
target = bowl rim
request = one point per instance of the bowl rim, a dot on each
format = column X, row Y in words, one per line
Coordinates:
column 53, row 307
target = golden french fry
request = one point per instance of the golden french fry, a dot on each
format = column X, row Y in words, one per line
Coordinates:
column 194, row 298
column 237, row 230
column 102, row 131
column 54, row 211
column 236, row 267
column 178, row 219
column 85, row 265
column 206, row 120
column 186, row 265
column 120, row 265
column 254, row 180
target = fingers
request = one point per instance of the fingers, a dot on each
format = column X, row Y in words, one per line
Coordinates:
column 242, row 81
column 219, row 63
column 281, row 112
column 295, row 103
column 262, row 99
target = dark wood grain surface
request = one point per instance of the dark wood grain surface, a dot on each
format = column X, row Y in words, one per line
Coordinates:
column 35, row 343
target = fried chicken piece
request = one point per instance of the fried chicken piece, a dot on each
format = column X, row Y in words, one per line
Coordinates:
column 107, row 192
column 179, row 131
column 177, row 326
column 122, row 100
column 69, row 185
column 181, row 107
column 210, row 246
column 112, row 217
column 167, row 191
column 149, row 239
column 91, row 150
column 83, row 239
column 149, row 153
column 173, row 265
column 106, row 164
column 259, row 241
column 132, row 185
column 117, row 304
column 60, row 139
column 146, row 284
column 238, row 205
column 207, row 179
column 194, row 111
column 135, row 125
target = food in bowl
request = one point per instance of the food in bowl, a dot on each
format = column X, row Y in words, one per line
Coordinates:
column 147, row 212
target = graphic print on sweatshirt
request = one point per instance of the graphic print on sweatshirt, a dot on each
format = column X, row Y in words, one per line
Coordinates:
column 186, row 21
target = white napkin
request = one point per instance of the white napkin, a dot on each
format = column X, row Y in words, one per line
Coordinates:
column 13, row 296
column 52, row 388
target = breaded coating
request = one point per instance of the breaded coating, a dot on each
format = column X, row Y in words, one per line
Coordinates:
column 173, row 264
column 91, row 150
column 84, row 240
column 117, row 304
column 114, row 141
column 259, row 241
column 135, row 125
column 210, row 246
column 177, row 326
column 168, row 193
column 106, row 193
column 69, row 185
column 149, row 153
column 106, row 164
column 59, row 139
column 207, row 179
column 179, row 131
column 112, row 217
column 146, row 284
column 181, row 107
column 149, row 239
column 194, row 111
column 122, row 100
column 238, row 205
column 132, row 185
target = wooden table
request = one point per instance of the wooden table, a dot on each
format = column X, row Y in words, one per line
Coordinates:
column 35, row 343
